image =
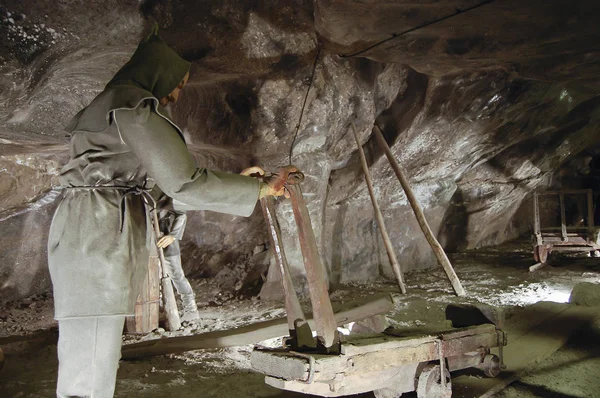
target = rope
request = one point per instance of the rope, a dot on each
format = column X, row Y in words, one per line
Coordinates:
column 312, row 78
column 395, row 35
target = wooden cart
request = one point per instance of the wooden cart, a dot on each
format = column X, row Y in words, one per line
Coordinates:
column 577, row 235
column 388, row 364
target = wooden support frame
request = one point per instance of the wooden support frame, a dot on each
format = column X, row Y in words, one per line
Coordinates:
column 438, row 250
column 379, row 217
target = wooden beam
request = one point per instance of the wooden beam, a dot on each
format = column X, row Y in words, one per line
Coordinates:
column 563, row 217
column 147, row 309
column 315, row 270
column 590, row 213
column 433, row 242
column 379, row 217
column 537, row 229
column 292, row 304
column 354, row 311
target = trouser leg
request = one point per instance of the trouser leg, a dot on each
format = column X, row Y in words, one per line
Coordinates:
column 89, row 350
column 181, row 283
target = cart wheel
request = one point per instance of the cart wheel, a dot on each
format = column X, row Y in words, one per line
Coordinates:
column 540, row 254
column 491, row 365
column 429, row 384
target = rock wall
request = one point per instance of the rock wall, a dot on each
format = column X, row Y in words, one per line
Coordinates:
column 479, row 109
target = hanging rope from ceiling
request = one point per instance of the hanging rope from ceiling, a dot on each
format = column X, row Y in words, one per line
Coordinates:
column 396, row 35
column 312, row 78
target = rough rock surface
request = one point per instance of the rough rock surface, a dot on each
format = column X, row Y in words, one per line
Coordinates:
column 480, row 109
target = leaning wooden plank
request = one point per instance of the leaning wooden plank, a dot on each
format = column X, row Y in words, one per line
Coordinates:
column 525, row 352
column 248, row 334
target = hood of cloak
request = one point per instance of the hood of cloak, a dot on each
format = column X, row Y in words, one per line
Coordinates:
column 153, row 71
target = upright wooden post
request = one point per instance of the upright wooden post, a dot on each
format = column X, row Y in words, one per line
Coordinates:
column 563, row 217
column 590, row 212
column 537, row 229
column 147, row 310
column 379, row 217
column 433, row 242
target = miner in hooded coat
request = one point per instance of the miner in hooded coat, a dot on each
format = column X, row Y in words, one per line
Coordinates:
column 99, row 239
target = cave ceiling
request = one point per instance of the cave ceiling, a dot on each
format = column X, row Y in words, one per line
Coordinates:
column 481, row 101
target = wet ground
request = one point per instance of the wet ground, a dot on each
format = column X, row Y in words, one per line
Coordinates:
column 496, row 276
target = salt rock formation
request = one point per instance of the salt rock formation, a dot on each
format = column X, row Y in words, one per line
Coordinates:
column 481, row 102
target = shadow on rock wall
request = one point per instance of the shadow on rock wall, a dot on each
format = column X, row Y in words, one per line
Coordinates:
column 23, row 253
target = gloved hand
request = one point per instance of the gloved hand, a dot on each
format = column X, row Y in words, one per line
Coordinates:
column 267, row 190
column 165, row 241
column 273, row 185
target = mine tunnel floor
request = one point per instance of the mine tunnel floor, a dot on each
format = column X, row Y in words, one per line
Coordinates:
column 497, row 276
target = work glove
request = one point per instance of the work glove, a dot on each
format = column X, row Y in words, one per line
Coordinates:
column 165, row 241
column 273, row 185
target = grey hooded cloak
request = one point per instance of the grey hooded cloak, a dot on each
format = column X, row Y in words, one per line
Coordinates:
column 99, row 238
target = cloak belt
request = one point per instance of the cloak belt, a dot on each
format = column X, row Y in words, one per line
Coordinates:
column 142, row 191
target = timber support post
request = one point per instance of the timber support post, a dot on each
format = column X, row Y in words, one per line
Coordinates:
column 379, row 217
column 433, row 242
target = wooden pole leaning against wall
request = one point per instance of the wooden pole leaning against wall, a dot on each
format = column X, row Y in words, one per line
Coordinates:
column 379, row 217
column 433, row 242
